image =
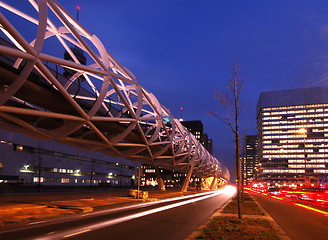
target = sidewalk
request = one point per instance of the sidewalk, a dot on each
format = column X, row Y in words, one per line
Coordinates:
column 23, row 208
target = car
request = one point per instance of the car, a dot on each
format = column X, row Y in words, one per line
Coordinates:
column 274, row 191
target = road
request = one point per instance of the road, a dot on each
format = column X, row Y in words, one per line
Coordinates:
column 298, row 223
column 164, row 219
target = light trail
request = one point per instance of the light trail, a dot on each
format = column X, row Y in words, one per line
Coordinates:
column 279, row 198
column 92, row 227
column 134, row 206
column 36, row 222
column 311, row 208
column 141, row 205
column 293, row 203
column 76, row 233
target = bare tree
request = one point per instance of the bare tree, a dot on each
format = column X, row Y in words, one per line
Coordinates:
column 229, row 101
column 243, row 170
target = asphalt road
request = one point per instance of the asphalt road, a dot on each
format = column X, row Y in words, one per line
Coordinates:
column 298, row 223
column 156, row 220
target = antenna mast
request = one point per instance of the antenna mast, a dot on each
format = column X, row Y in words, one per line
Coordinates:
column 77, row 12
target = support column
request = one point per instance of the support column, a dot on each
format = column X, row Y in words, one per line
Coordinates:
column 203, row 185
column 214, row 183
column 160, row 181
column 187, row 179
column 220, row 183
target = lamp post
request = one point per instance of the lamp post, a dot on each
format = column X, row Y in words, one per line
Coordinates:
column 283, row 152
column 39, row 177
column 303, row 131
column 91, row 174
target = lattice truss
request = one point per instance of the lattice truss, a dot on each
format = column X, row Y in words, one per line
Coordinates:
column 84, row 97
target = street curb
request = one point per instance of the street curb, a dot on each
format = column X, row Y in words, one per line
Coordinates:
column 74, row 208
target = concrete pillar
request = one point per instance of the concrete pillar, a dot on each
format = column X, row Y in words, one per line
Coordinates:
column 214, row 183
column 160, row 181
column 187, row 179
column 203, row 184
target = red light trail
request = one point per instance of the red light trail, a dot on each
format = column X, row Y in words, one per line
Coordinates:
column 293, row 203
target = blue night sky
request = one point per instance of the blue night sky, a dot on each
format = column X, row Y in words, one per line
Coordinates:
column 182, row 50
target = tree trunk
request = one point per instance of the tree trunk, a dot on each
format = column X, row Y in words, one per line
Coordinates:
column 237, row 148
column 243, row 171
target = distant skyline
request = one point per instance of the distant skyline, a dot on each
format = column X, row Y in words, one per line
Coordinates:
column 183, row 50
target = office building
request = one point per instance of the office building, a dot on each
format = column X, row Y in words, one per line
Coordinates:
column 196, row 128
column 293, row 136
column 28, row 161
column 251, row 163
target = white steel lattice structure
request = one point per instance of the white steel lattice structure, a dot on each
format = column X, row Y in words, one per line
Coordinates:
column 87, row 99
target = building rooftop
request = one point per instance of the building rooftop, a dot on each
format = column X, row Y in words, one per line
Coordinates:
column 291, row 97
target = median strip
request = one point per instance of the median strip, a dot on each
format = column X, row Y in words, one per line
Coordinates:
column 255, row 222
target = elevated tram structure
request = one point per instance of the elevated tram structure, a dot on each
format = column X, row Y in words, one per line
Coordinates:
column 99, row 106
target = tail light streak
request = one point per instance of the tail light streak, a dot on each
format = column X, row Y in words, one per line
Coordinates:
column 293, row 203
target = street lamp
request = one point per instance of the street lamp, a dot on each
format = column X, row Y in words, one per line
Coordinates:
column 303, row 131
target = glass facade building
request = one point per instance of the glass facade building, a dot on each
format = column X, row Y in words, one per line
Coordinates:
column 251, row 163
column 292, row 128
column 28, row 161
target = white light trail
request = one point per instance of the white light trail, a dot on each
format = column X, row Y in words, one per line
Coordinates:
column 93, row 227
column 134, row 206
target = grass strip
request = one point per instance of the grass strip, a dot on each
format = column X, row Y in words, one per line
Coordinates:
column 244, row 229
column 230, row 227
column 247, row 207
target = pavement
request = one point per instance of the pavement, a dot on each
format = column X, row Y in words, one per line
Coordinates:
column 21, row 208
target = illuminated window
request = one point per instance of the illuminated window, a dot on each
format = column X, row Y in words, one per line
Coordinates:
column 36, row 179
column 19, row 148
column 65, row 180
